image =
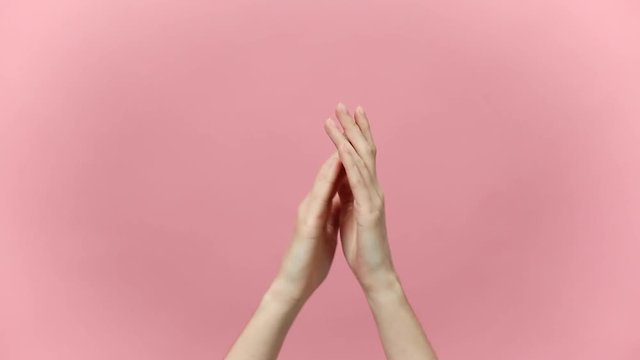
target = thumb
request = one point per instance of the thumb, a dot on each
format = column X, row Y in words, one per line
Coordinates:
column 333, row 222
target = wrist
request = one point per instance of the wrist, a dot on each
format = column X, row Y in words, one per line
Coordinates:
column 383, row 285
column 284, row 293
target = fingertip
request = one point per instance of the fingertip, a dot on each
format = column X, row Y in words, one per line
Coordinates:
column 330, row 123
column 341, row 111
column 327, row 126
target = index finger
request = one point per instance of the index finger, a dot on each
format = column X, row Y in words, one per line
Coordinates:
column 324, row 185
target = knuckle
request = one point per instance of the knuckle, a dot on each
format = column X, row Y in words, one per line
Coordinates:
column 369, row 149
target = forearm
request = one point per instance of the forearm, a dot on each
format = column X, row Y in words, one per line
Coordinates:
column 264, row 335
column 399, row 328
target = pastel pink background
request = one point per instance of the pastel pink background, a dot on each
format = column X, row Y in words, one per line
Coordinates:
column 153, row 153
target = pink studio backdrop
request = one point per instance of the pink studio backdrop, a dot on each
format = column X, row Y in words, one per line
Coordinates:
column 153, row 153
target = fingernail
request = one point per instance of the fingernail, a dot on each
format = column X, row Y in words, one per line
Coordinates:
column 342, row 106
column 360, row 110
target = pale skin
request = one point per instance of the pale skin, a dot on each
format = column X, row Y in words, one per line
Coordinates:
column 346, row 200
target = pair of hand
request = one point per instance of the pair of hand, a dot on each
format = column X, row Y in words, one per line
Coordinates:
column 345, row 198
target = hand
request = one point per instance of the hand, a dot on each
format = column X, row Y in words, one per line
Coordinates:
column 310, row 254
column 363, row 230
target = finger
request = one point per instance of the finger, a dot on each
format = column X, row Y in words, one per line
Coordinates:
column 347, row 153
column 355, row 135
column 324, row 185
column 357, row 172
column 363, row 123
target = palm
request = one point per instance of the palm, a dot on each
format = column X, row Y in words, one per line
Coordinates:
column 312, row 257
